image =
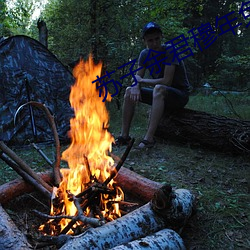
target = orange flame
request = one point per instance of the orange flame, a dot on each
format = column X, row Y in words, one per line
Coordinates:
column 90, row 138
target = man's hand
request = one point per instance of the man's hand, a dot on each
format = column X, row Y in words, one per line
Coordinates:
column 135, row 93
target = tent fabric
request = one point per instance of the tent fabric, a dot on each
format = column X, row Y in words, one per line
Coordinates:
column 30, row 72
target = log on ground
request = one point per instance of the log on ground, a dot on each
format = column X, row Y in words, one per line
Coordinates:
column 212, row 131
column 18, row 187
column 161, row 240
column 10, row 237
column 131, row 182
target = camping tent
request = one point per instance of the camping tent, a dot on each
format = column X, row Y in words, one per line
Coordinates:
column 30, row 72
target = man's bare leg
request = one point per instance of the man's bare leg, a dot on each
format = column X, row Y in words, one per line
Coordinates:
column 128, row 110
column 156, row 113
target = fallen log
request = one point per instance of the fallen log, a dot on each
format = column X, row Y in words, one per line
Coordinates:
column 132, row 183
column 136, row 185
column 212, row 131
column 10, row 237
column 18, row 187
column 150, row 218
column 163, row 239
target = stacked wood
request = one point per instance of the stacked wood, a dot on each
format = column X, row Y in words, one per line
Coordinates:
column 212, row 131
column 150, row 218
column 10, row 237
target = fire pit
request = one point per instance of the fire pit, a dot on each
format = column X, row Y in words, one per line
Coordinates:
column 86, row 198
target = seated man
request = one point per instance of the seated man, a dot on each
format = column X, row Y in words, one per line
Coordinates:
column 168, row 89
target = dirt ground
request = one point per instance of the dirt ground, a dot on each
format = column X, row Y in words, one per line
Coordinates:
column 220, row 182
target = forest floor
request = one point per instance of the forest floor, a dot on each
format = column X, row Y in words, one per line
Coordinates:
column 219, row 180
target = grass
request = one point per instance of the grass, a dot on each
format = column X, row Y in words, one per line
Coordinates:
column 219, row 180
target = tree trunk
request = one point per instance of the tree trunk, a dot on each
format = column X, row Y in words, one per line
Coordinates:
column 212, row 131
column 10, row 237
column 43, row 32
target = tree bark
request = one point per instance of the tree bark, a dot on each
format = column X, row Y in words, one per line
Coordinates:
column 136, row 185
column 10, row 237
column 43, row 32
column 163, row 239
column 212, row 131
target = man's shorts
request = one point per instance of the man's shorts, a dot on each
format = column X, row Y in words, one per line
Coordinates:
column 174, row 100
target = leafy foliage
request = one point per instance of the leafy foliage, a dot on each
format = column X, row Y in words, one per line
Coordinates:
column 111, row 31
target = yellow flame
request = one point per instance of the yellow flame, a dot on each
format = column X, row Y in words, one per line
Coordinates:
column 89, row 135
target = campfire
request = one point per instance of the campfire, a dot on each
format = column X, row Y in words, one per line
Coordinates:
column 87, row 188
column 87, row 198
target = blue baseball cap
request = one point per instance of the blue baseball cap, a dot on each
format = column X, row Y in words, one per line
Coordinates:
column 150, row 26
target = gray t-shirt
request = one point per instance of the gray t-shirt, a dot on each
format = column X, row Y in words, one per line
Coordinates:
column 158, row 62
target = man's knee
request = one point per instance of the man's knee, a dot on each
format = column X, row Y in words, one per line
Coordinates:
column 159, row 91
column 127, row 92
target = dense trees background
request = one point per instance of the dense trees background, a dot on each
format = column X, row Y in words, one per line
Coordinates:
column 110, row 29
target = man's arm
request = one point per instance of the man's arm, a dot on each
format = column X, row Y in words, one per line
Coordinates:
column 165, row 80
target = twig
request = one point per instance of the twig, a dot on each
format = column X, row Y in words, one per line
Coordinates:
column 120, row 163
column 24, row 166
column 25, row 176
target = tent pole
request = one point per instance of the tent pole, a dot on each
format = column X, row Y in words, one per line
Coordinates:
column 33, row 125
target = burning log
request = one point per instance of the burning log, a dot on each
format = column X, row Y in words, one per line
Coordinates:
column 216, row 132
column 163, row 239
column 165, row 210
column 10, row 237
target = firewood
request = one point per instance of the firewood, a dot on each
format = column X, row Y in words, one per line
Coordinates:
column 132, row 183
column 161, row 240
column 10, row 237
column 150, row 218
column 13, row 156
column 136, row 185
column 18, row 187
column 26, row 176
